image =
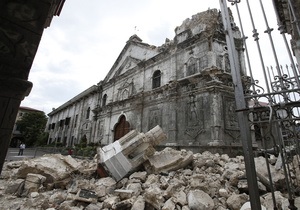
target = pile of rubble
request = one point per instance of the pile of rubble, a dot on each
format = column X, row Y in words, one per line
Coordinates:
column 168, row 180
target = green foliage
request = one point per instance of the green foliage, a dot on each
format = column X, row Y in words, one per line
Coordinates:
column 83, row 142
column 59, row 144
column 42, row 139
column 86, row 151
column 32, row 126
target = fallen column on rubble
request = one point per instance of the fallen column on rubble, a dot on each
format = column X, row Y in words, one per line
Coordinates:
column 121, row 157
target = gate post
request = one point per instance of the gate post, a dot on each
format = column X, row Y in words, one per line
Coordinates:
column 241, row 105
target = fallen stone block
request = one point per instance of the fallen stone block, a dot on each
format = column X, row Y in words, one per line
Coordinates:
column 138, row 204
column 223, row 193
column 124, row 194
column 15, row 187
column 168, row 160
column 199, row 200
column 169, row 204
column 124, row 204
column 236, row 201
column 124, row 156
column 278, row 177
column 180, row 198
column 139, row 175
column 105, row 186
column 281, row 201
column 87, row 196
column 93, row 206
column 154, row 197
column 34, row 194
column 33, row 182
column 111, row 202
column 135, row 187
column 57, row 198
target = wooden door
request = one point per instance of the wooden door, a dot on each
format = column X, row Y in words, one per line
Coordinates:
column 121, row 128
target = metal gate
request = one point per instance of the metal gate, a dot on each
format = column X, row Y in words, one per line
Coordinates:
column 268, row 98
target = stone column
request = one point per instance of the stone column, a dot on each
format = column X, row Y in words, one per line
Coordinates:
column 12, row 92
column 216, row 120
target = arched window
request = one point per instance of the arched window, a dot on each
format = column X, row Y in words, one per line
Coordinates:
column 156, row 79
column 88, row 113
column 191, row 68
column 104, row 100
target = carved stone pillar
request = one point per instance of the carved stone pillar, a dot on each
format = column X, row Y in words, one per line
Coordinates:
column 216, row 120
column 12, row 92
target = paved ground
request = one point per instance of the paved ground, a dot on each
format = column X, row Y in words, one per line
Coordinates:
column 12, row 154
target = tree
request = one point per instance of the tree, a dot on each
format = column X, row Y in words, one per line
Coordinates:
column 32, row 126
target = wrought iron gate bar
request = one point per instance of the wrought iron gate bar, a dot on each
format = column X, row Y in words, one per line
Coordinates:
column 252, row 82
column 274, row 111
column 256, row 39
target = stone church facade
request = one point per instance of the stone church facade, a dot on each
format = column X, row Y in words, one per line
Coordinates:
column 183, row 85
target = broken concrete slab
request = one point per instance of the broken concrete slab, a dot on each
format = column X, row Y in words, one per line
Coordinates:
column 56, row 168
column 87, row 196
column 168, row 160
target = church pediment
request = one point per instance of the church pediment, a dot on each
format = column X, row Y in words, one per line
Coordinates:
column 134, row 52
column 129, row 63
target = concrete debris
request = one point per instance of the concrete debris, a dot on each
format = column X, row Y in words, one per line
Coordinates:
column 205, row 181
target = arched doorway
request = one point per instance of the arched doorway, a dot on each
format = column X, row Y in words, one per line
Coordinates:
column 121, row 128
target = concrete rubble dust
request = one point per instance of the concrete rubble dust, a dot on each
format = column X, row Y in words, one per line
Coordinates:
column 164, row 180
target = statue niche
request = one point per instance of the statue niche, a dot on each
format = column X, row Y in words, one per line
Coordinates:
column 125, row 90
column 194, row 117
column 154, row 118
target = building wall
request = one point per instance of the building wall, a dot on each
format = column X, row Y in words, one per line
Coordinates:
column 17, row 137
column 70, row 122
column 194, row 103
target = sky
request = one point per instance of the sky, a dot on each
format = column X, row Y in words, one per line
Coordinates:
column 82, row 44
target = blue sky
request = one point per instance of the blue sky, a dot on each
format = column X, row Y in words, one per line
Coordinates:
column 82, row 44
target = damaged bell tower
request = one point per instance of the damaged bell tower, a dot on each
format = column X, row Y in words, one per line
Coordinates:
column 184, row 86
